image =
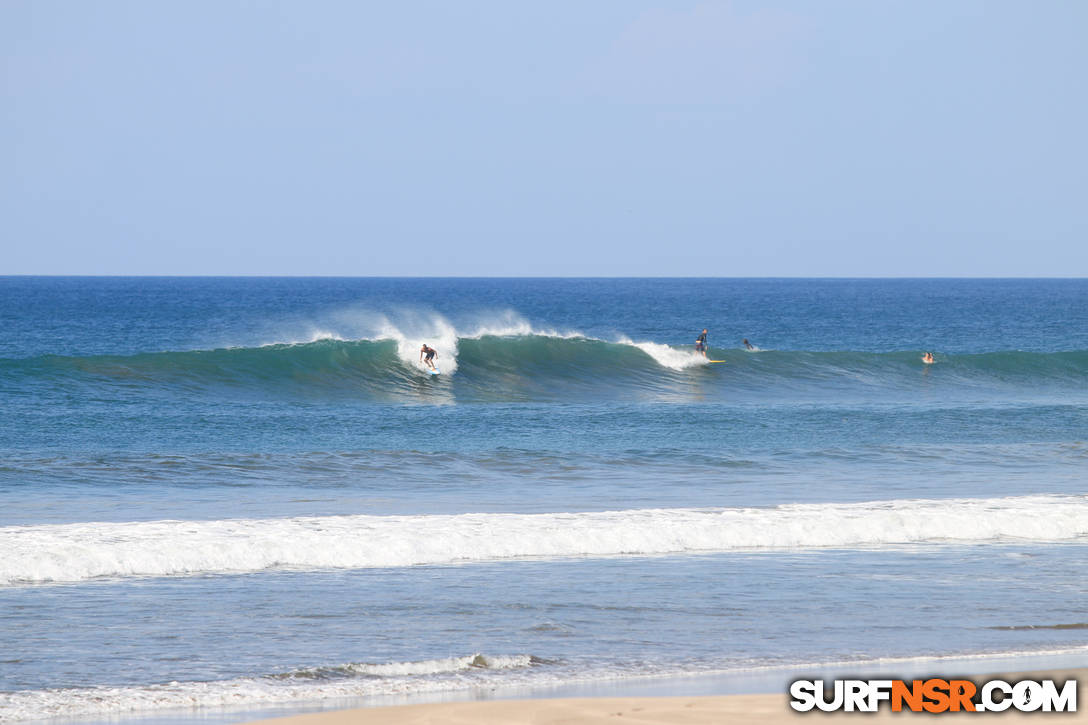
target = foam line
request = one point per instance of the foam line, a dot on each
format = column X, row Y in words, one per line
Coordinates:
column 82, row 551
column 359, row 680
column 341, row 681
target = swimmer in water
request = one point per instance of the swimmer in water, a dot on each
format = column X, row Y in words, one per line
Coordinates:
column 748, row 345
column 927, row 358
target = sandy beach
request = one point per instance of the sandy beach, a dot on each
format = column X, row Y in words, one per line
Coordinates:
column 762, row 708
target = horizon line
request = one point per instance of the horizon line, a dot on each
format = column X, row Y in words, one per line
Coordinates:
column 555, row 277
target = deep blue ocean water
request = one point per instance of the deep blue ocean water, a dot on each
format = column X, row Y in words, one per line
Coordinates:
column 237, row 492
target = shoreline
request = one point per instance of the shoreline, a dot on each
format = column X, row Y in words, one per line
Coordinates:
column 766, row 708
column 718, row 695
column 726, row 689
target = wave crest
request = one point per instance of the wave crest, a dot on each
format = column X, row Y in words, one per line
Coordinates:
column 510, row 360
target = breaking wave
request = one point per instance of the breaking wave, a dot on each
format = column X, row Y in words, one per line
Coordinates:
column 352, row 680
column 84, row 551
column 518, row 363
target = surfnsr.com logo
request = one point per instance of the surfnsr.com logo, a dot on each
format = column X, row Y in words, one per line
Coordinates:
column 934, row 695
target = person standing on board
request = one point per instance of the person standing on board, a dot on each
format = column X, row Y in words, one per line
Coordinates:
column 700, row 343
column 427, row 355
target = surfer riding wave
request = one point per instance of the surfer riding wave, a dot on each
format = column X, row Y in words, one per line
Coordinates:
column 427, row 356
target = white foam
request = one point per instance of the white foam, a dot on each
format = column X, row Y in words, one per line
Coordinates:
column 434, row 331
column 82, row 551
column 453, row 674
column 415, row 669
column 346, row 681
column 435, row 667
column 666, row 356
column 410, row 329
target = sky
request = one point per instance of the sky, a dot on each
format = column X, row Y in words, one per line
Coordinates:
column 606, row 138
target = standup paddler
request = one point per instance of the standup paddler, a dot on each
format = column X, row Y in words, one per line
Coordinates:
column 700, row 343
column 427, row 355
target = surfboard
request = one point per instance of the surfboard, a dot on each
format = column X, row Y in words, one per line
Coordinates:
column 434, row 372
column 714, row 361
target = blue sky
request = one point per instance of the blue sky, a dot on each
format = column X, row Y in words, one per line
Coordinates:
column 553, row 139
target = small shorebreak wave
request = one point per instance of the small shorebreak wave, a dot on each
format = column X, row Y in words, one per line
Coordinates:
column 352, row 680
column 355, row 684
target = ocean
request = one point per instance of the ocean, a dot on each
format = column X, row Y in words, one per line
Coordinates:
column 221, row 496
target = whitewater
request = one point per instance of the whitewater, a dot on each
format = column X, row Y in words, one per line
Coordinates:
column 78, row 552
